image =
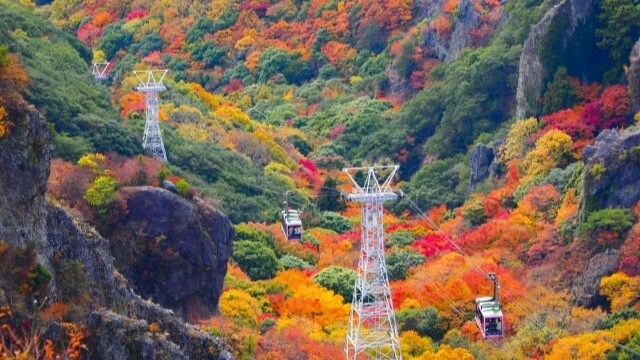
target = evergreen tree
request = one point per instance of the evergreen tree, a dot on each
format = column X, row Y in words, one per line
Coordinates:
column 560, row 93
column 329, row 198
column 621, row 20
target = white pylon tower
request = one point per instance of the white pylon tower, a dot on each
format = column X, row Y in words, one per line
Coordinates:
column 372, row 333
column 99, row 71
column 151, row 84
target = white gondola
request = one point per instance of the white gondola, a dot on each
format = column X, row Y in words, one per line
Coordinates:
column 291, row 223
column 489, row 316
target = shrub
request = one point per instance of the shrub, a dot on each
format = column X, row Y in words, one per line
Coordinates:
column 257, row 260
column 182, row 186
column 426, row 322
column 245, row 232
column 400, row 239
column 400, row 261
column 289, row 261
column 338, row 279
column 618, row 220
column 336, row 222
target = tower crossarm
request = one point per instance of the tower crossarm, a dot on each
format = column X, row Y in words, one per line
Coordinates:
column 99, row 70
column 151, row 80
column 372, row 188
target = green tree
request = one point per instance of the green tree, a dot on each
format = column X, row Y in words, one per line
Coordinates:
column 4, row 58
column 113, row 39
column 609, row 219
column 257, row 260
column 182, row 186
column 400, row 239
column 425, row 321
column 329, row 198
column 400, row 261
column 338, row 279
column 272, row 61
column 560, row 93
column 101, row 192
column 289, row 261
column 370, row 36
column 208, row 53
column 247, row 233
column 336, row 222
column 621, row 19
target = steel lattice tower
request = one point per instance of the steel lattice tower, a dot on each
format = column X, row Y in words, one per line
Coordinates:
column 99, row 71
column 372, row 333
column 151, row 85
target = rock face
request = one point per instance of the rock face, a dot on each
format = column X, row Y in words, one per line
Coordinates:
column 24, row 170
column 172, row 250
column 467, row 20
column 612, row 171
column 560, row 21
column 633, row 76
column 481, row 162
column 26, row 217
column 125, row 335
column 584, row 289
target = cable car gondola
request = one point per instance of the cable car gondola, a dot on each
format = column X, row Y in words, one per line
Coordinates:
column 489, row 316
column 291, row 223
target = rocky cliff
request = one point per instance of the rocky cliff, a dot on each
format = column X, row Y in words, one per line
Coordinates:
column 24, row 170
column 633, row 76
column 547, row 38
column 116, row 317
column 584, row 289
column 612, row 167
column 466, row 20
column 483, row 162
column 127, row 334
column 172, row 250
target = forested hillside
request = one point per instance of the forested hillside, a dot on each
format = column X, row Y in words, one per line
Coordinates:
column 513, row 122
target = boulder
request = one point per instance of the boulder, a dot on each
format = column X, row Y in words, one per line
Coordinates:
column 125, row 335
column 172, row 250
column 481, row 160
column 611, row 177
column 168, row 185
column 584, row 289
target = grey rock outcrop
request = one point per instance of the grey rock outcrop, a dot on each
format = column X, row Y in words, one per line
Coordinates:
column 24, row 170
column 172, row 250
column 633, row 77
column 584, row 289
column 611, row 176
column 168, row 185
column 26, row 217
column 532, row 73
column 467, row 20
column 481, row 160
column 125, row 335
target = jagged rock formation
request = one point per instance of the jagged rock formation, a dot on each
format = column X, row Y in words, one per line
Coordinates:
column 125, row 335
column 172, row 250
column 633, row 76
column 25, row 216
column 24, row 170
column 560, row 21
column 584, row 289
column 466, row 20
column 612, row 168
column 483, row 162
